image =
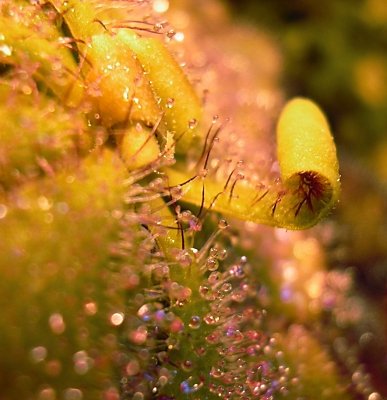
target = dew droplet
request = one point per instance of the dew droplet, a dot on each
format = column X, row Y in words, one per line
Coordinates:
column 222, row 255
column 212, row 264
column 210, row 319
column 26, row 89
column 237, row 271
column 216, row 372
column 226, row 287
column 222, row 224
column 144, row 312
column 214, row 252
column 170, row 102
column 6, row 50
column 179, row 37
column 44, row 203
column 192, row 123
column 194, row 322
column 126, row 94
column 204, row 290
column 157, row 27
column 171, row 33
column 90, row 308
column 187, row 365
column 117, row 318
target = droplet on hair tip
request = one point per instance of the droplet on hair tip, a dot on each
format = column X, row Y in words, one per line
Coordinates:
column 212, row 264
column 192, row 124
column 170, row 102
column 223, row 224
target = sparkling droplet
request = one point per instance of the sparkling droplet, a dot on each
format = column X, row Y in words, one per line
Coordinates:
column 194, row 322
column 90, row 308
column 144, row 312
column 237, row 271
column 44, row 203
column 222, row 224
column 187, row 365
column 157, row 27
column 210, row 319
column 214, row 252
column 179, row 36
column 170, row 103
column 216, row 373
column 6, row 50
column 226, row 288
column 192, row 123
column 126, row 94
column 171, row 33
column 117, row 318
column 212, row 264
column 204, row 290
column 222, row 255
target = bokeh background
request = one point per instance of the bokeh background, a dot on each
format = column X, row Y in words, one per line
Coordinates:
column 335, row 52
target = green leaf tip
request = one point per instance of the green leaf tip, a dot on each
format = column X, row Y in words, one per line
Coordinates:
column 309, row 175
column 307, row 157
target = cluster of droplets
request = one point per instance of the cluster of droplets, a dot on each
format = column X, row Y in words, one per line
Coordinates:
column 196, row 327
column 248, row 366
column 350, row 311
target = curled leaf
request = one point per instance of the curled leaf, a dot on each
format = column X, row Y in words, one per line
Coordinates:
column 178, row 100
column 309, row 184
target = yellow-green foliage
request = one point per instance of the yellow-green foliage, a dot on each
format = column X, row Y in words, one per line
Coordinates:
column 102, row 291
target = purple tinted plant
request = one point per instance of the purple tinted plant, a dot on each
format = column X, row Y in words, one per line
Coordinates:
column 125, row 281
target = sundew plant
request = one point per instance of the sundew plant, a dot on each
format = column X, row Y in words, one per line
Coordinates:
column 153, row 185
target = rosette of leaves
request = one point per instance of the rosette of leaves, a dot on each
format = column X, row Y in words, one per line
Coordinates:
column 113, row 286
